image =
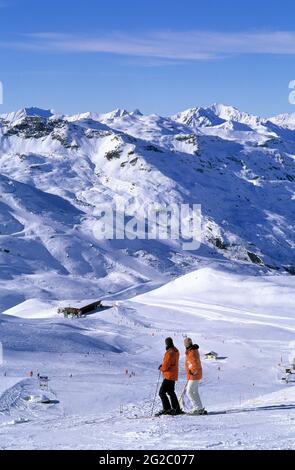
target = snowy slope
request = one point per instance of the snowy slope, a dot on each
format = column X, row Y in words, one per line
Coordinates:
column 234, row 295
column 248, row 320
column 56, row 170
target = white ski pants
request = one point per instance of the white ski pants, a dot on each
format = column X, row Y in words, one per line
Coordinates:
column 192, row 392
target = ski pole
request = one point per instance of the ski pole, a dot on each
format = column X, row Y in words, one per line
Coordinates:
column 156, row 393
column 182, row 395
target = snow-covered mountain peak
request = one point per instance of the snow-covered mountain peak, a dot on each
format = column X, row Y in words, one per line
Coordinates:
column 284, row 120
column 231, row 113
column 115, row 114
column 27, row 112
column 215, row 115
column 198, row 117
column 136, row 112
column 83, row 116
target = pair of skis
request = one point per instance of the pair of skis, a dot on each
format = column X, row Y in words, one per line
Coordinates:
column 229, row 411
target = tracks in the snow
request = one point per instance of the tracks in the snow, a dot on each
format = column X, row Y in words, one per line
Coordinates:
column 220, row 412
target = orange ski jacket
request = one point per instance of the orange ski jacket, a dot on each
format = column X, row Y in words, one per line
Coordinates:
column 193, row 367
column 169, row 367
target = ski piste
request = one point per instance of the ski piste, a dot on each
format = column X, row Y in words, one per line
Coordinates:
column 221, row 412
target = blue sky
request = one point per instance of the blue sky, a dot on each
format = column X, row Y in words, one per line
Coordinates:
column 159, row 56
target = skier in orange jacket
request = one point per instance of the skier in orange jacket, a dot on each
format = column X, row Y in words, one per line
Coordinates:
column 194, row 374
column 169, row 369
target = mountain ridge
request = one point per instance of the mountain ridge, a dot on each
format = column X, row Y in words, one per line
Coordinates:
column 240, row 168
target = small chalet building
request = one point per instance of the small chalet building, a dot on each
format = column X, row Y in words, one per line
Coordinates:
column 80, row 308
column 212, row 355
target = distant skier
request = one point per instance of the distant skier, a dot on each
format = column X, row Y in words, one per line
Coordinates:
column 169, row 369
column 194, row 373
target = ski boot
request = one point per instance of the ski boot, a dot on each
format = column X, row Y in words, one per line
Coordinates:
column 200, row 412
column 164, row 412
column 177, row 412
